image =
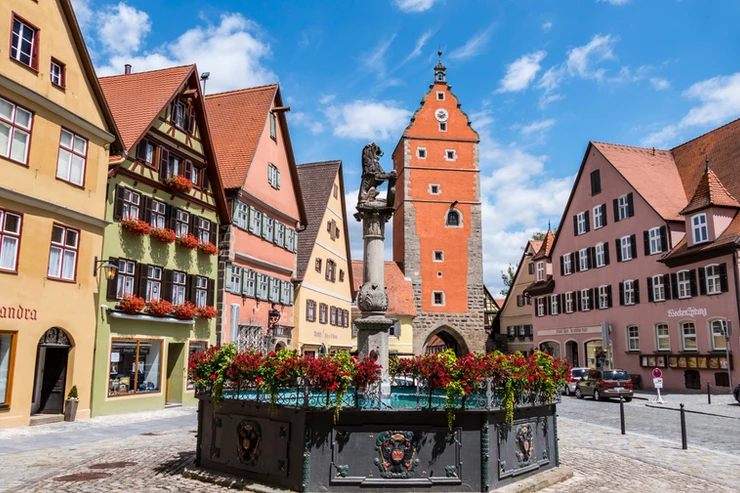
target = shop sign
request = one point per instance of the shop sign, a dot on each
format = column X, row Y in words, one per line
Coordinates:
column 325, row 335
column 688, row 312
column 17, row 312
column 570, row 330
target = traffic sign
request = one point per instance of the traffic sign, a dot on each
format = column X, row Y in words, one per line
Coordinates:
column 658, row 383
column 657, row 373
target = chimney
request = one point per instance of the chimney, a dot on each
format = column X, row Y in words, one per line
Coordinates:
column 127, row 69
column 653, row 151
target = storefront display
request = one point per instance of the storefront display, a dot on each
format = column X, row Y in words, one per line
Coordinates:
column 135, row 367
column 6, row 346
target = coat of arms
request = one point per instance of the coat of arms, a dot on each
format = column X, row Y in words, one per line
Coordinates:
column 396, row 454
column 524, row 444
column 249, row 435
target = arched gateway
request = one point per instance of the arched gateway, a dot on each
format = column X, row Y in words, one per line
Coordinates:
column 51, row 372
column 443, row 339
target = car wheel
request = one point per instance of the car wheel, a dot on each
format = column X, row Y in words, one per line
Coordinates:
column 567, row 390
column 597, row 396
column 628, row 399
column 579, row 394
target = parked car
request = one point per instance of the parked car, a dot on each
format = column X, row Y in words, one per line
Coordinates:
column 605, row 384
column 572, row 379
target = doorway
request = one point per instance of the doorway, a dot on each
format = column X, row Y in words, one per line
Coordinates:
column 175, row 377
column 571, row 353
column 51, row 372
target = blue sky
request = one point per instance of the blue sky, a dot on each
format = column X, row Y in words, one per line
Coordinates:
column 539, row 79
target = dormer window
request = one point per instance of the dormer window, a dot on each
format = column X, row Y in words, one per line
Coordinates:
column 699, row 228
column 540, row 271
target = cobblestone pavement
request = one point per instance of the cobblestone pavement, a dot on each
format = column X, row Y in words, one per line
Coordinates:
column 150, row 461
column 722, row 404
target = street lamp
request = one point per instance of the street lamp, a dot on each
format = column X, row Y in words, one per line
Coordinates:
column 273, row 317
column 108, row 267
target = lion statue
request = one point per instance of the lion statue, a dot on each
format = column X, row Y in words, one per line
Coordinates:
column 373, row 175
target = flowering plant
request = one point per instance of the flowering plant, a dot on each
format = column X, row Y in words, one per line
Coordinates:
column 159, row 308
column 331, row 373
column 367, row 372
column 164, row 235
column 207, row 312
column 131, row 304
column 280, row 368
column 245, row 368
column 208, row 248
column 188, row 241
column 136, row 226
column 179, row 183
column 185, row 311
column 207, row 369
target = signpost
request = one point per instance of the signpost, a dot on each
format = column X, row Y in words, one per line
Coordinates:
column 658, row 384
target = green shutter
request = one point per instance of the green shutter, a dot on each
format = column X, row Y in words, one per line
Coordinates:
column 227, row 279
column 235, row 212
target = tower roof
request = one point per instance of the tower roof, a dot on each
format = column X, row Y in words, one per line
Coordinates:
column 710, row 191
column 440, row 71
column 546, row 246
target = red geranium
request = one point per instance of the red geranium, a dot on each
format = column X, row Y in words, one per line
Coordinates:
column 367, row 372
column 136, row 226
column 208, row 248
column 131, row 304
column 188, row 241
column 185, row 311
column 179, row 183
column 207, row 312
column 159, row 308
column 245, row 368
column 164, row 235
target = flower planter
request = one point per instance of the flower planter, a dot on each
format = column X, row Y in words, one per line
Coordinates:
column 159, row 308
column 207, row 312
column 188, row 241
column 136, row 227
column 131, row 305
column 208, row 248
column 163, row 235
column 179, row 184
column 186, row 311
column 70, row 409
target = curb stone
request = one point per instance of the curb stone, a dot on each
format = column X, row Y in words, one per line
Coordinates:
column 539, row 482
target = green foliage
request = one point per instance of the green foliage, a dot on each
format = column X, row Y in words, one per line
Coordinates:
column 508, row 278
column 73, row 393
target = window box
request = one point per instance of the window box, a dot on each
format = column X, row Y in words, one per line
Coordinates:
column 159, row 308
column 131, row 305
column 188, row 241
column 185, row 311
column 207, row 312
column 164, row 235
column 208, row 248
column 179, row 184
column 136, row 226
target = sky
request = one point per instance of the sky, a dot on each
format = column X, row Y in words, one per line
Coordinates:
column 539, row 80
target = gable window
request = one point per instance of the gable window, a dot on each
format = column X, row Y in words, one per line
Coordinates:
column 684, row 284
column 10, row 237
column 554, row 304
column 179, row 110
column 182, row 219
column 440, row 96
column 421, row 152
column 623, row 207
column 63, row 253
column 595, row 182
column 540, row 271
column 626, row 248
column 442, row 126
column 662, row 337
column 438, row 298
column 72, row 155
column 331, row 268
column 453, row 219
column 434, row 189
column 628, row 290
column 450, row 155
column 145, row 152
column 581, row 223
column 585, row 300
column 179, row 280
column 541, row 306
column 688, row 336
column 255, row 218
column 235, row 284
column 15, row 131
column 583, row 263
column 600, row 256
column 569, row 302
column 273, row 176
column 57, row 72
column 658, row 288
column 125, row 275
column 712, row 279
column 201, row 291
column 322, row 313
column 699, row 227
column 598, row 217
column 604, row 297
column 153, row 282
column 633, row 338
column 718, row 328
column 654, row 241
column 23, row 43
column 273, row 126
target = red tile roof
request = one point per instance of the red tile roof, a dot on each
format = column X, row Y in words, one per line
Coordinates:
column 400, row 290
column 545, row 246
column 709, row 192
column 137, row 99
column 237, row 119
column 536, row 245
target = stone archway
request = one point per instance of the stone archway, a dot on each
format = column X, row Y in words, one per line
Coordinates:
column 444, row 338
column 50, row 379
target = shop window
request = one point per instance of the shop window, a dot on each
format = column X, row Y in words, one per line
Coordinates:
column 6, row 367
column 662, row 337
column 72, row 156
column 10, row 237
column 135, row 367
column 195, row 347
column 63, row 253
column 15, row 131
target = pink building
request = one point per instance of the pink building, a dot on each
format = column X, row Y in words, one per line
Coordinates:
column 647, row 246
column 258, row 252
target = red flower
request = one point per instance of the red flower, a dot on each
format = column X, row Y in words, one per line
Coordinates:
column 213, row 377
column 163, row 234
column 188, row 241
column 208, row 248
column 131, row 304
column 179, row 183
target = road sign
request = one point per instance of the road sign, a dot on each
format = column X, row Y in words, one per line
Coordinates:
column 658, row 383
column 657, row 373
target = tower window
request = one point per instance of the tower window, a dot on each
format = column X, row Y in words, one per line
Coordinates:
column 442, row 126
column 440, row 76
column 438, row 298
column 421, row 152
column 440, row 96
column 434, row 189
column 450, row 155
column 453, row 219
column 439, row 256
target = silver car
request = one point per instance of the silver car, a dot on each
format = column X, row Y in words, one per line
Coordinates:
column 572, row 380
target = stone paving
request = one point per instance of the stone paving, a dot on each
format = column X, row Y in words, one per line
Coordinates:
column 722, row 404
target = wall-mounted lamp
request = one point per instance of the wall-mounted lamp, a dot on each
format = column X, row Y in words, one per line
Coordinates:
column 453, row 204
column 109, row 268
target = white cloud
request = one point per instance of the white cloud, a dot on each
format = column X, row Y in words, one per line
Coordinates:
column 546, row 27
column 232, row 51
column 83, row 12
column 303, row 120
column 374, row 60
column 414, row 5
column 472, row 47
column 521, row 72
column 719, row 101
column 538, row 126
column 418, row 47
column 122, row 29
column 369, row 120
column 659, row 83
column 328, row 98
column 355, row 228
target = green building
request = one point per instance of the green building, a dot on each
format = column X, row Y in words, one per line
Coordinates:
column 164, row 204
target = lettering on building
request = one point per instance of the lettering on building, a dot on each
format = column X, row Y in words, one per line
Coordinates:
column 687, row 312
column 17, row 313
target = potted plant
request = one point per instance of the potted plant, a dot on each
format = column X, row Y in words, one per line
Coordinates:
column 131, row 304
column 159, row 308
column 185, row 311
column 179, row 183
column 207, row 312
column 208, row 248
column 165, row 235
column 188, row 241
column 136, row 226
column 70, row 405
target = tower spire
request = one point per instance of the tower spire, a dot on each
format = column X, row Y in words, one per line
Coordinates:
column 440, row 71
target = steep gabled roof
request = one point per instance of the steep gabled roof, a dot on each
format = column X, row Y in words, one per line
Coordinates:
column 545, row 246
column 317, row 180
column 710, row 192
column 238, row 119
column 535, row 245
column 400, row 290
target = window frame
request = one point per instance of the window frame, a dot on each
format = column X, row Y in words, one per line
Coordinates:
column 712, row 337
column 626, row 242
column 623, row 207
column 632, row 338
column 540, row 270
column 236, row 279
column 434, row 301
column 442, row 126
column 6, row 400
column 603, row 297
column 682, row 326
column 628, row 288
column 658, row 288
column 554, row 304
column 201, row 291
column 442, row 94
column 598, row 214
column 156, row 215
column 180, row 224
column 174, row 118
column 64, row 249
column 583, row 260
column 73, row 153
column 176, row 286
column 129, row 203
column 684, row 285
column 122, row 274
column 448, row 224
column 13, row 127
column 585, row 300
column 441, row 255
column 600, row 256
column 273, row 176
column 136, row 392
column 701, row 227
column 581, row 223
column 3, row 221
column 420, row 151
column 153, row 281
column 33, row 56
column 62, row 84
column 567, row 265
column 540, row 307
column 434, row 189
column 715, row 279
column 655, row 240
column 450, row 155
column 569, row 302
column 658, row 336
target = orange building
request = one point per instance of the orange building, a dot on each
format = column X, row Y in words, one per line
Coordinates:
column 258, row 250
column 437, row 223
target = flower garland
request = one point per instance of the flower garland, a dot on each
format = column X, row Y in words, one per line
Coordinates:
column 188, row 241
column 136, row 226
column 179, row 183
column 131, row 304
column 208, row 248
column 164, row 235
column 185, row 311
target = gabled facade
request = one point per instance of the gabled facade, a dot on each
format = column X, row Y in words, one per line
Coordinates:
column 647, row 248
column 437, row 223
column 258, row 254
column 165, row 180
column 515, row 316
column 56, row 131
column 323, row 301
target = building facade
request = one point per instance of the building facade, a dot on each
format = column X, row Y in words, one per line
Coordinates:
column 515, row 316
column 323, row 307
column 56, row 131
column 437, row 222
column 166, row 182
column 258, row 255
column 644, row 270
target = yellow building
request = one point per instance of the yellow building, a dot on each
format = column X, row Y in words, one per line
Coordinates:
column 56, row 131
column 323, row 300
column 400, row 307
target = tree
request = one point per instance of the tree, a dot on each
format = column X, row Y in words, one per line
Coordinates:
column 540, row 235
column 508, row 278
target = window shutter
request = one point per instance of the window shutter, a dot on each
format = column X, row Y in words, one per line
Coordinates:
column 191, row 120
column 141, row 150
column 621, row 294
column 112, row 283
column 227, row 278
column 603, row 215
column 663, row 239
column 575, row 225
column 141, row 271
column 591, row 298
column 397, row 328
column 146, row 211
column 191, row 288
column 354, row 330
column 636, row 284
column 528, row 299
column 588, row 221
column 674, row 286
column 702, row 281
column 562, row 266
column 616, row 210
column 618, row 243
column 291, row 293
column 633, row 245
column 252, row 222
column 591, row 257
column 192, row 225
column 35, row 53
column 692, row 282
column 167, row 284
column 270, row 282
column 548, row 302
column 562, row 302
column 308, row 310
column 170, row 216
column 235, row 212
column 724, row 287
column 651, row 298
column 205, row 184
column 606, row 252
column 579, row 305
column 118, row 206
column 573, row 263
column 277, row 178
column 630, row 205
column 295, row 242
column 264, row 226
column 214, row 232
column 164, row 160
column 646, row 242
column 667, row 286
column 210, row 293
column 188, row 169
column 609, row 296
column 576, row 264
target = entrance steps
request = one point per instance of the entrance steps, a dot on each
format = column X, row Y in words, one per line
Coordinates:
column 168, row 405
column 46, row 419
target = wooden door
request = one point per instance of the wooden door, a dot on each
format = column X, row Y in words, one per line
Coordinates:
column 54, row 380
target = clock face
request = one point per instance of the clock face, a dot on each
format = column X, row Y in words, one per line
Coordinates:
column 441, row 115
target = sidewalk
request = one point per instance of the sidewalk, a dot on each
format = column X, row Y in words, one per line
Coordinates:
column 722, row 404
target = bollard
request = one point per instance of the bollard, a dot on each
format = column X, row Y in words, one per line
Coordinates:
column 683, row 428
column 709, row 394
column 621, row 413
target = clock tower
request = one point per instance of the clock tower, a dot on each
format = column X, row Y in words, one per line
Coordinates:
column 437, row 223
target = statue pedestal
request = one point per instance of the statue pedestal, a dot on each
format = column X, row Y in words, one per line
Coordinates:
column 372, row 341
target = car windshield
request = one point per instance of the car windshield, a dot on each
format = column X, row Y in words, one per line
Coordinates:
column 616, row 375
column 577, row 372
